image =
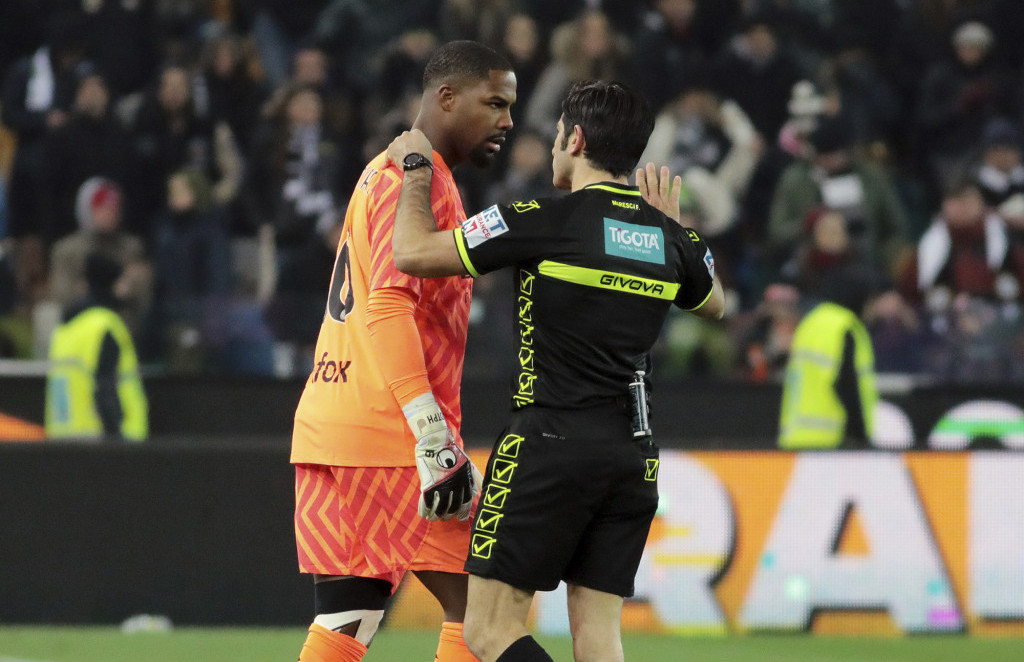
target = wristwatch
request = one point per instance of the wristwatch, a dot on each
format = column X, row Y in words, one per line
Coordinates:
column 416, row 160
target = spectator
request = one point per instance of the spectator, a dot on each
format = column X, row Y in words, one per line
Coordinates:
column 293, row 187
column 193, row 271
column 226, row 89
column 861, row 190
column 529, row 172
column 183, row 25
column 1013, row 215
column 38, row 93
column 824, row 246
column 477, row 20
column 806, row 105
column 958, row 97
column 963, row 276
column 311, row 67
column 93, row 388
column 122, row 42
column 713, row 145
column 98, row 209
column 355, row 33
column 866, row 98
column 1000, row 172
column 763, row 335
column 626, row 15
column 521, row 43
column 902, row 343
column 169, row 135
column 962, row 254
column 279, row 27
column 672, row 53
column 92, row 143
column 402, row 69
column 758, row 74
column 585, row 48
column 15, row 324
column 22, row 29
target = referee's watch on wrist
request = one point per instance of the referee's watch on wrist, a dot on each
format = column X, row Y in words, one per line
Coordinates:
column 414, row 161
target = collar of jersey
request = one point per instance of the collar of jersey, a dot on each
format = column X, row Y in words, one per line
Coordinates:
column 438, row 161
column 615, row 188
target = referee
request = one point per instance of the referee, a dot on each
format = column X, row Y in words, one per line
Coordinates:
column 571, row 484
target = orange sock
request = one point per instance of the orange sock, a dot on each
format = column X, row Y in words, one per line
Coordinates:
column 451, row 647
column 322, row 645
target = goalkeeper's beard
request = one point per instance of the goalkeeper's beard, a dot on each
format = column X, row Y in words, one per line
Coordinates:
column 481, row 157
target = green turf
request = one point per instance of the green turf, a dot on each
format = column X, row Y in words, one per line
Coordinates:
column 66, row 644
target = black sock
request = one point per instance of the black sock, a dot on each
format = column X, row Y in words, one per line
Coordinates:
column 525, row 649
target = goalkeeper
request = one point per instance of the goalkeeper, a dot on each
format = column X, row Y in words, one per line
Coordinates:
column 382, row 483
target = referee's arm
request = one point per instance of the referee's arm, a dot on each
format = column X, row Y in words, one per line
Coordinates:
column 714, row 306
column 419, row 248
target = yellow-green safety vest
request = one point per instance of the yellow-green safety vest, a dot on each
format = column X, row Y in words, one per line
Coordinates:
column 71, row 381
column 812, row 414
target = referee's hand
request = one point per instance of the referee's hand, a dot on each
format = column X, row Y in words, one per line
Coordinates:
column 660, row 189
column 409, row 142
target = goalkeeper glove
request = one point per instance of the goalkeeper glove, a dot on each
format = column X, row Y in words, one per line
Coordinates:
column 448, row 480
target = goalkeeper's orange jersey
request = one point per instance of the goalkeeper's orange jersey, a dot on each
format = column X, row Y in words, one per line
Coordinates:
column 347, row 415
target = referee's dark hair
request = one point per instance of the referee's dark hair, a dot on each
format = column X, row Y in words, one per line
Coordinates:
column 616, row 121
column 464, row 59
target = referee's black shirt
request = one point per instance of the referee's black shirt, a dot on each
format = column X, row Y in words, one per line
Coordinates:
column 596, row 273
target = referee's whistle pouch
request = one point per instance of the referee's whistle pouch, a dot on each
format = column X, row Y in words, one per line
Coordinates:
column 640, row 406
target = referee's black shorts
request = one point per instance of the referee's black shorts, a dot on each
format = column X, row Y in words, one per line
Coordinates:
column 568, row 495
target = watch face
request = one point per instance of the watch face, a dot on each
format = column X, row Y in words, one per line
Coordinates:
column 414, row 160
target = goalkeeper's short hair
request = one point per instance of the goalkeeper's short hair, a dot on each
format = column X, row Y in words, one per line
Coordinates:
column 462, row 60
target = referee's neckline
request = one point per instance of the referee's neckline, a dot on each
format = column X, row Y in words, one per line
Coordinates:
column 621, row 189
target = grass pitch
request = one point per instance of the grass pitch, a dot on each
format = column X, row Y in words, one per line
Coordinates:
column 108, row 644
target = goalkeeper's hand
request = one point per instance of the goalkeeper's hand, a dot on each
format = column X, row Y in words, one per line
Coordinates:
column 448, row 480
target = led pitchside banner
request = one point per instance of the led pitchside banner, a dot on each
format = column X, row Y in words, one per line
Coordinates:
column 858, row 542
column 832, row 542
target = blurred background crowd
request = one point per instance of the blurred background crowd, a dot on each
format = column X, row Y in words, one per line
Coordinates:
column 869, row 150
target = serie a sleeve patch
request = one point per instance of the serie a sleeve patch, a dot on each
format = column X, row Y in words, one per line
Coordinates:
column 486, row 225
column 709, row 262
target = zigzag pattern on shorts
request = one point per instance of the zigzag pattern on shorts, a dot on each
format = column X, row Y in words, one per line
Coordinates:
column 358, row 521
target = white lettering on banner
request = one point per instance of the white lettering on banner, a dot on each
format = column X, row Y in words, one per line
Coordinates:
column 996, row 535
column 693, row 545
column 783, row 535
column 800, row 572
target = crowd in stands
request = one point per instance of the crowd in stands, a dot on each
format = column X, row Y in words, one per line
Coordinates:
column 210, row 146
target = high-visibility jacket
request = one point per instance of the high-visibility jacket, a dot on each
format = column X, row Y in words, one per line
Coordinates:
column 813, row 415
column 75, row 346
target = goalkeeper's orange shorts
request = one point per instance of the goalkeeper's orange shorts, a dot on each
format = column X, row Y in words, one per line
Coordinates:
column 364, row 522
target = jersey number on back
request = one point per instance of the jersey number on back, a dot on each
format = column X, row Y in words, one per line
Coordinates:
column 340, row 299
